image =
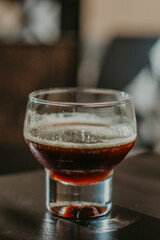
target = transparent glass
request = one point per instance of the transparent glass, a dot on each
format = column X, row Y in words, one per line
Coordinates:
column 79, row 136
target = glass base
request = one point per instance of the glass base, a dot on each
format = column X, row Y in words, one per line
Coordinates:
column 78, row 201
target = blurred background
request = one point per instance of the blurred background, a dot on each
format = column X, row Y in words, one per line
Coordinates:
column 86, row 43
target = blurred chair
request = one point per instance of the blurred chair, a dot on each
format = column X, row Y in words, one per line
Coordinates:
column 25, row 68
column 117, row 38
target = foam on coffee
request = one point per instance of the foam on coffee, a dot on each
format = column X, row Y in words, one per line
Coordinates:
column 79, row 130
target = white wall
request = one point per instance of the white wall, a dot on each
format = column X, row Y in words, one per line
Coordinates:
column 101, row 19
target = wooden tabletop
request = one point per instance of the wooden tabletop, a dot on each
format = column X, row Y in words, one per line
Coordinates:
column 135, row 213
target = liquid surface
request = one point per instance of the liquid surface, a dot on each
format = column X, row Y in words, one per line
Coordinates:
column 80, row 150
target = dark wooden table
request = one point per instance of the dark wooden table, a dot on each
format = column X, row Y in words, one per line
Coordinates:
column 135, row 214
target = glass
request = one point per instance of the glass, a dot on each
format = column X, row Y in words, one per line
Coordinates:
column 79, row 136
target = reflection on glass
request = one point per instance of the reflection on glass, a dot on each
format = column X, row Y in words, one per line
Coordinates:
column 98, row 229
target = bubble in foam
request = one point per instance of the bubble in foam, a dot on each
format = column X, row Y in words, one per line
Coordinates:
column 81, row 130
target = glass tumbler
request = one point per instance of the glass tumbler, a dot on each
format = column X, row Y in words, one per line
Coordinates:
column 79, row 136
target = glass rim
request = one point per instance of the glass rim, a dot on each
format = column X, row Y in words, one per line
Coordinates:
column 126, row 97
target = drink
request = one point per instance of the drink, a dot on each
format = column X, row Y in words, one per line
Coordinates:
column 79, row 136
column 77, row 150
column 79, row 166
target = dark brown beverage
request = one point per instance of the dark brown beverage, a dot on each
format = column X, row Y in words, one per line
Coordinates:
column 79, row 136
column 79, row 166
column 82, row 149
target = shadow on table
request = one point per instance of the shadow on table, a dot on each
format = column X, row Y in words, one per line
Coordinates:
column 17, row 223
column 120, row 224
